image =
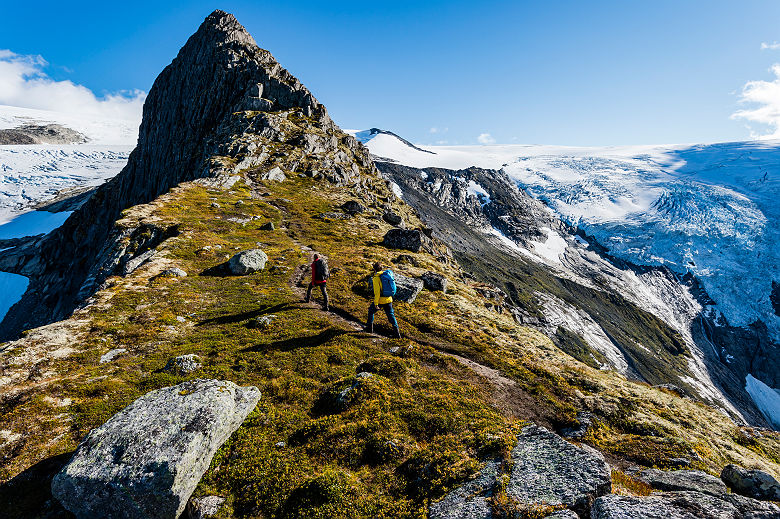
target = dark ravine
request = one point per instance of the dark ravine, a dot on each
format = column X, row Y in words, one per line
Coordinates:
column 441, row 197
column 218, row 72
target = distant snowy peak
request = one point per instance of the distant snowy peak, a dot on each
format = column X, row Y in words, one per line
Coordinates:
column 387, row 146
column 94, row 129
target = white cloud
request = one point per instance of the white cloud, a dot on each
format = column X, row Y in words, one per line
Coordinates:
column 486, row 138
column 438, row 130
column 25, row 83
column 765, row 96
column 771, row 46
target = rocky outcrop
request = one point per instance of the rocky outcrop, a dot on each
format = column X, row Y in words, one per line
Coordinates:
column 405, row 239
column 223, row 109
column 407, row 289
column 549, row 470
column 434, row 282
column 41, row 134
column 204, row 507
column 695, row 480
column 247, row 262
column 545, row 471
column 146, row 460
column 751, row 483
column 682, row 505
column 470, row 500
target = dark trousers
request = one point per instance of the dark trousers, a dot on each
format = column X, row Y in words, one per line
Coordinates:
column 322, row 289
column 388, row 308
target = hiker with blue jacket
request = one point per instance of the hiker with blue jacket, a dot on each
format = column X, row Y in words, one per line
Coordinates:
column 383, row 283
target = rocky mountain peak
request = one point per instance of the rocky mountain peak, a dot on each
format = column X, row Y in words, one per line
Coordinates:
column 191, row 116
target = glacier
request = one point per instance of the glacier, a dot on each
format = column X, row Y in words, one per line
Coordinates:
column 706, row 209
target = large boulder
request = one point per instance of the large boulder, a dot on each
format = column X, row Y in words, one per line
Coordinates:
column 751, row 483
column 247, row 262
column 548, row 470
column 434, row 282
column 470, row 500
column 682, row 505
column 406, row 239
column 145, row 461
column 683, row 480
column 407, row 289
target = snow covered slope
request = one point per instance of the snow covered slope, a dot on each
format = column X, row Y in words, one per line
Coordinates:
column 30, row 174
column 710, row 210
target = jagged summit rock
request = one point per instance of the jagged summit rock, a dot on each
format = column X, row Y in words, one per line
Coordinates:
column 220, row 90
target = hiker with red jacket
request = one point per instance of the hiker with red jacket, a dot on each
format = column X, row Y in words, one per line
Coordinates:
column 383, row 283
column 319, row 277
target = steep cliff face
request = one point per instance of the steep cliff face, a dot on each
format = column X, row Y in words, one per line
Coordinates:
column 647, row 323
column 219, row 83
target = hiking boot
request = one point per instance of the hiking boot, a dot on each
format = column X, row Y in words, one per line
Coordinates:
column 396, row 333
column 326, row 308
column 368, row 329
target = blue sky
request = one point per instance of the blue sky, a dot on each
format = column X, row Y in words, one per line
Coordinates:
column 579, row 73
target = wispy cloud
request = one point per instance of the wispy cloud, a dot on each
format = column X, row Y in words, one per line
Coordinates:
column 436, row 129
column 764, row 96
column 25, row 83
column 770, row 46
column 485, row 138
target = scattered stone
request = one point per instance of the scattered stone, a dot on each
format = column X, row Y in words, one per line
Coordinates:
column 247, row 262
column 751, row 483
column 470, row 500
column 215, row 205
column 331, row 215
column 407, row 289
column 174, row 272
column 280, row 445
column 239, row 203
column 181, row 319
column 563, row 514
column 204, row 507
column 682, row 505
column 146, row 460
column 392, row 218
column 406, row 259
column 239, row 220
column 183, row 364
column 585, row 420
column 275, row 174
column 551, row 471
column 111, row 355
column 261, row 323
column 434, row 282
column 683, row 480
column 352, row 207
column 407, row 239
column 269, row 226
column 134, row 263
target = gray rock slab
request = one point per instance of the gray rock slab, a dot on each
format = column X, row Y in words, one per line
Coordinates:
column 174, row 272
column 683, row 480
column 133, row 264
column 434, row 282
column 470, row 500
column 204, row 507
column 183, row 364
column 406, row 239
column 247, row 262
column 563, row 514
column 407, row 289
column 274, row 174
column 111, row 355
column 146, row 460
column 551, row 471
column 682, row 505
column 751, row 483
